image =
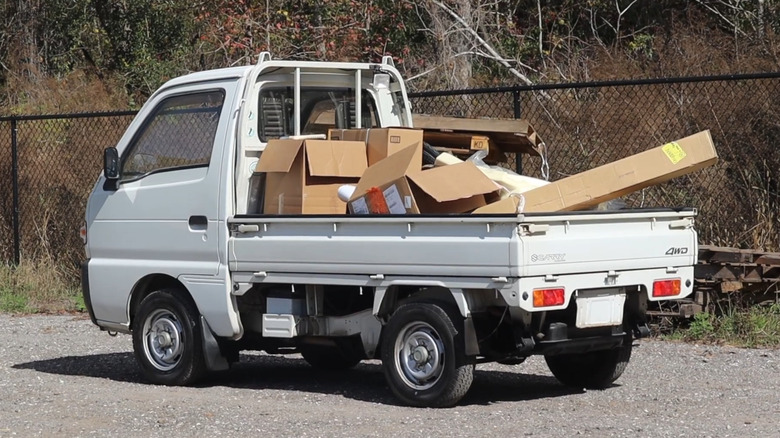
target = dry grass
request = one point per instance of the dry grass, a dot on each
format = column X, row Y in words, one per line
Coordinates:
column 38, row 286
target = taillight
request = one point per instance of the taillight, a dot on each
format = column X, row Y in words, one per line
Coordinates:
column 666, row 288
column 83, row 233
column 549, row 297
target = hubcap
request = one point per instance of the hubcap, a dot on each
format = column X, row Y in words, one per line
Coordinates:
column 163, row 339
column 419, row 355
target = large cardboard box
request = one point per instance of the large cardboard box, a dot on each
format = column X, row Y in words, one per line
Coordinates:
column 588, row 189
column 303, row 176
column 382, row 142
column 388, row 187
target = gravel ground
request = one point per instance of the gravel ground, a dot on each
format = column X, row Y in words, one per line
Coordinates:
column 61, row 376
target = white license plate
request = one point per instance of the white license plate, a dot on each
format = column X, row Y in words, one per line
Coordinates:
column 600, row 308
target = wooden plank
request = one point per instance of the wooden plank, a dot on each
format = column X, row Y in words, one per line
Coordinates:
column 768, row 259
column 715, row 254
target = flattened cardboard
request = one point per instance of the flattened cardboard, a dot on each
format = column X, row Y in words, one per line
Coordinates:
column 509, row 135
column 383, row 142
column 303, row 176
column 451, row 189
column 588, row 189
column 465, row 142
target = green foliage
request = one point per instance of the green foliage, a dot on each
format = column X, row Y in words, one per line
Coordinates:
column 11, row 302
column 752, row 327
column 146, row 42
column 702, row 326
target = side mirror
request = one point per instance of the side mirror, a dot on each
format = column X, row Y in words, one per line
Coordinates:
column 111, row 163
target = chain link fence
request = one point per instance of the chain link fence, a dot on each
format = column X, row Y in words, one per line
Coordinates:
column 48, row 164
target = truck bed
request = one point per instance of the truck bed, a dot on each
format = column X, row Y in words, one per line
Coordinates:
column 462, row 246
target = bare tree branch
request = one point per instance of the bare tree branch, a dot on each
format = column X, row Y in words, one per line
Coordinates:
column 722, row 17
column 541, row 37
column 620, row 17
column 482, row 42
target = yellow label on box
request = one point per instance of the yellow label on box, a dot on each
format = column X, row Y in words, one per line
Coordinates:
column 674, row 152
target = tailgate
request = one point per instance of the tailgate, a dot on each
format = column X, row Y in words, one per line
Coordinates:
column 579, row 242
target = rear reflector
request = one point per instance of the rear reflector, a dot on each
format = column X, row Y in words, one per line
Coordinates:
column 548, row 297
column 83, row 233
column 666, row 288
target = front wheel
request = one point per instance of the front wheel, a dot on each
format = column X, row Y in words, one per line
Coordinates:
column 592, row 370
column 419, row 357
column 167, row 340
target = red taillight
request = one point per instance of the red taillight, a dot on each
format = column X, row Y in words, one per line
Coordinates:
column 548, row 297
column 666, row 288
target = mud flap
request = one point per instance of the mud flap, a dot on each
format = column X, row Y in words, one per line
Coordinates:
column 212, row 355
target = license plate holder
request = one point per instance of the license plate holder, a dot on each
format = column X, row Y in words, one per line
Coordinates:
column 600, row 308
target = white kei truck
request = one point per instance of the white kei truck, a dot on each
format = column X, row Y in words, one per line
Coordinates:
column 179, row 254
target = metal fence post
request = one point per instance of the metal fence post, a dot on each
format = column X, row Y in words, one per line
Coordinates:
column 516, row 106
column 15, row 185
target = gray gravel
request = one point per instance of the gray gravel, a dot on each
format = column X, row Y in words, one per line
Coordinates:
column 61, row 376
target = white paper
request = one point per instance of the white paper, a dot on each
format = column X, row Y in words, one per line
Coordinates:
column 393, row 199
column 359, row 206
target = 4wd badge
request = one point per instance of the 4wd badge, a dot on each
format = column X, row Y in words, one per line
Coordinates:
column 677, row 251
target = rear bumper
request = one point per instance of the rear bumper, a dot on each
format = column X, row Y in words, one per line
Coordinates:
column 582, row 345
column 85, row 290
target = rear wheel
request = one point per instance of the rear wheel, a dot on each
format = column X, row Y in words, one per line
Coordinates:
column 592, row 370
column 167, row 339
column 419, row 357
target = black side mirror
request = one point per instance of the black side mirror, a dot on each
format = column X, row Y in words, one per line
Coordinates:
column 111, row 163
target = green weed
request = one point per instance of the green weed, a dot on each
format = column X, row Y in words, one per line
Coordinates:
column 752, row 327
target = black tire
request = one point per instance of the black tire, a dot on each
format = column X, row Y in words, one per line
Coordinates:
column 329, row 358
column 167, row 339
column 420, row 357
column 592, row 370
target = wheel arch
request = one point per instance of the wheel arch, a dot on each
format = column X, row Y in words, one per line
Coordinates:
column 387, row 300
column 149, row 284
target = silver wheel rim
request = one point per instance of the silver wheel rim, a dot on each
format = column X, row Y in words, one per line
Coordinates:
column 163, row 339
column 419, row 355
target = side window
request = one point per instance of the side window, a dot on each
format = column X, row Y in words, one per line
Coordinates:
column 178, row 134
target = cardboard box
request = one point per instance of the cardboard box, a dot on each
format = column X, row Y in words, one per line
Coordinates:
column 388, row 187
column 303, row 176
column 589, row 188
column 510, row 205
column 382, row 142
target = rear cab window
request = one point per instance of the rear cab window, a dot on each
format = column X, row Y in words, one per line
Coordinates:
column 321, row 109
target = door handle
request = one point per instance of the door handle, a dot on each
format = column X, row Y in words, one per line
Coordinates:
column 198, row 223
